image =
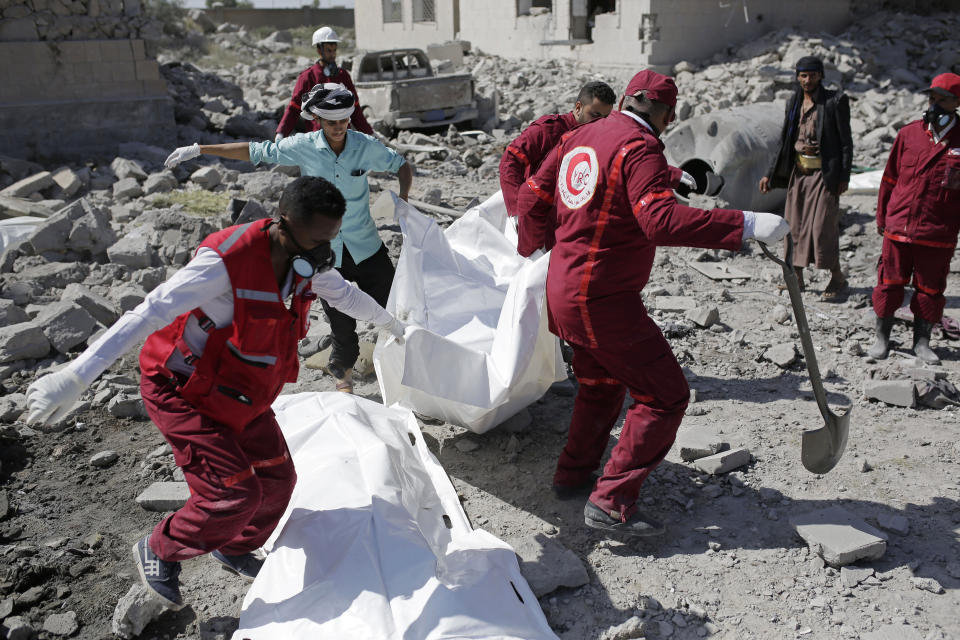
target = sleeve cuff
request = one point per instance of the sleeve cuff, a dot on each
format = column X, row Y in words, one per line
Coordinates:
column 749, row 222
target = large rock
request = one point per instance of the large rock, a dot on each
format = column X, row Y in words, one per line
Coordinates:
column 104, row 311
column 265, row 186
column 30, row 185
column 206, row 177
column 132, row 250
column 80, row 227
column 21, row 341
column 124, row 168
column 66, row 324
column 67, row 181
column 10, row 313
column 12, row 207
column 160, row 183
column 61, row 624
column 55, row 275
column 127, row 188
column 134, row 611
column 547, row 565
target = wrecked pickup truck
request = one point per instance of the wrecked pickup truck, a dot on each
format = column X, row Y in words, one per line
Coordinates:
column 399, row 88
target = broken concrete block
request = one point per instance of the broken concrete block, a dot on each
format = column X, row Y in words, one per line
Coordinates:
column 66, row 324
column 893, row 523
column 127, row 188
column 695, row 444
column 160, row 183
column 125, row 405
column 21, row 341
column 67, row 181
column 30, row 185
column 124, row 168
column 635, row 627
column 92, row 232
column 723, row 462
column 893, row 632
column 104, row 459
column 127, row 297
column 164, row 496
column 17, row 628
column 782, row 355
column 132, row 250
column 704, row 317
column 780, row 314
column 900, row 393
column 927, row 584
column 134, row 611
column 206, row 177
column 54, row 275
column 10, row 313
column 103, row 311
column 11, row 406
column 674, row 303
column 14, row 207
column 548, row 565
column 839, row 537
column 852, row 576
column 61, row 624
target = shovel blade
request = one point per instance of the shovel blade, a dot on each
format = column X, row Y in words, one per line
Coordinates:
column 821, row 449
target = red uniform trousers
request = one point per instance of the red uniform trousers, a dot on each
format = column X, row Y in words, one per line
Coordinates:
column 649, row 370
column 240, row 483
column 929, row 267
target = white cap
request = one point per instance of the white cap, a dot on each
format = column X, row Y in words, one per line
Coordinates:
column 324, row 34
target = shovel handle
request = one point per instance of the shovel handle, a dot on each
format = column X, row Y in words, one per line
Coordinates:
column 809, row 355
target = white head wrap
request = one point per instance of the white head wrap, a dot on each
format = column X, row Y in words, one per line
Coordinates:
column 330, row 101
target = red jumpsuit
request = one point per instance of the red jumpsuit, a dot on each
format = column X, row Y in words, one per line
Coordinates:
column 306, row 81
column 918, row 212
column 608, row 186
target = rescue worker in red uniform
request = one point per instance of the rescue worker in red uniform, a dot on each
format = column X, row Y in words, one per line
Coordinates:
column 608, row 188
column 918, row 214
column 523, row 156
column 220, row 343
column 323, row 71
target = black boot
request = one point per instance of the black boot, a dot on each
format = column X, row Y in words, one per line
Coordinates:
column 921, row 341
column 881, row 348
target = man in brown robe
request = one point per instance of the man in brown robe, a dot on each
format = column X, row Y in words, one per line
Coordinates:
column 816, row 152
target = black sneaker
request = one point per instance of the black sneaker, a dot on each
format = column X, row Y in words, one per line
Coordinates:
column 569, row 491
column 158, row 575
column 246, row 566
column 640, row 526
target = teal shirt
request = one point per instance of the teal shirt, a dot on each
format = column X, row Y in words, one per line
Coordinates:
column 348, row 172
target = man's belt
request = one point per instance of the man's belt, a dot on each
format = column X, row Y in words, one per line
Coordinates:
column 808, row 163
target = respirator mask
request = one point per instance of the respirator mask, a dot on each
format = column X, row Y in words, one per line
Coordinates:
column 937, row 116
column 331, row 69
column 308, row 263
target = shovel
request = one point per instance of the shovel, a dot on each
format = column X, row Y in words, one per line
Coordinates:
column 821, row 449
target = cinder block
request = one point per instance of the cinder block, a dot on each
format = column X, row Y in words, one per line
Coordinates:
column 839, row 537
column 723, row 462
column 164, row 496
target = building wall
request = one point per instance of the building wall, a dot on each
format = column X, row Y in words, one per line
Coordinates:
column 75, row 81
column 374, row 34
column 283, row 18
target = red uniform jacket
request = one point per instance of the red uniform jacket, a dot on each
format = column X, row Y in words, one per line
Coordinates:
column 919, row 199
column 608, row 185
column 523, row 156
column 306, row 81
column 245, row 364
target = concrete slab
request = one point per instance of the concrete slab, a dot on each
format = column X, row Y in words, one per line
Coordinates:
column 696, row 444
column 782, row 355
column 674, row 303
column 548, row 565
column 900, row 393
column 838, row 536
column 724, row 462
column 704, row 317
column 29, row 185
column 164, row 496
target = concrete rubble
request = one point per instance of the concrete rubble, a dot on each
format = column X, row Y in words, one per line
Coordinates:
column 547, row 565
column 164, row 496
column 838, row 536
column 135, row 610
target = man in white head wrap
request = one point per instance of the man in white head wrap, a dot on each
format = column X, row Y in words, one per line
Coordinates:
column 343, row 156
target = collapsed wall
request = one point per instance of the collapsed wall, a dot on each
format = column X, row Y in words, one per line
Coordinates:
column 76, row 79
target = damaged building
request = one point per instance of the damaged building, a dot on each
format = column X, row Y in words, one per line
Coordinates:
column 612, row 33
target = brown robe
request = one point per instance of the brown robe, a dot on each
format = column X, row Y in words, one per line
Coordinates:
column 812, row 210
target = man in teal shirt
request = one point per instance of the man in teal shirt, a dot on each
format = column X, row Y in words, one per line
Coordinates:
column 344, row 157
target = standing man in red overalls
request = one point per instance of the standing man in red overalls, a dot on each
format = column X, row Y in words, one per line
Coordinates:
column 608, row 189
column 221, row 341
column 323, row 71
column 918, row 214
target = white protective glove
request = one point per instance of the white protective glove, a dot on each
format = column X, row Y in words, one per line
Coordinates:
column 182, row 154
column 768, row 228
column 396, row 328
column 52, row 396
column 278, row 137
column 688, row 180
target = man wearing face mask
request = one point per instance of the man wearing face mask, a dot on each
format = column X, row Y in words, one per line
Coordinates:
column 813, row 163
column 344, row 157
column 918, row 214
column 606, row 197
column 221, row 341
column 325, row 70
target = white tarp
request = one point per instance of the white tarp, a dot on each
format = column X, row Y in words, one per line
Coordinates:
column 479, row 349
column 866, row 183
column 14, row 229
column 374, row 544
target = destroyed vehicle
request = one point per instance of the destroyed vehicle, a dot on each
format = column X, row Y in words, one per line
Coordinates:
column 399, row 88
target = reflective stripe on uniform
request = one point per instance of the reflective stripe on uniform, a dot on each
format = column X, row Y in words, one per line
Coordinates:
column 262, row 296
column 896, row 237
column 598, row 381
column 543, row 195
column 519, row 154
column 232, row 239
column 268, row 360
column 649, row 198
column 272, row 462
